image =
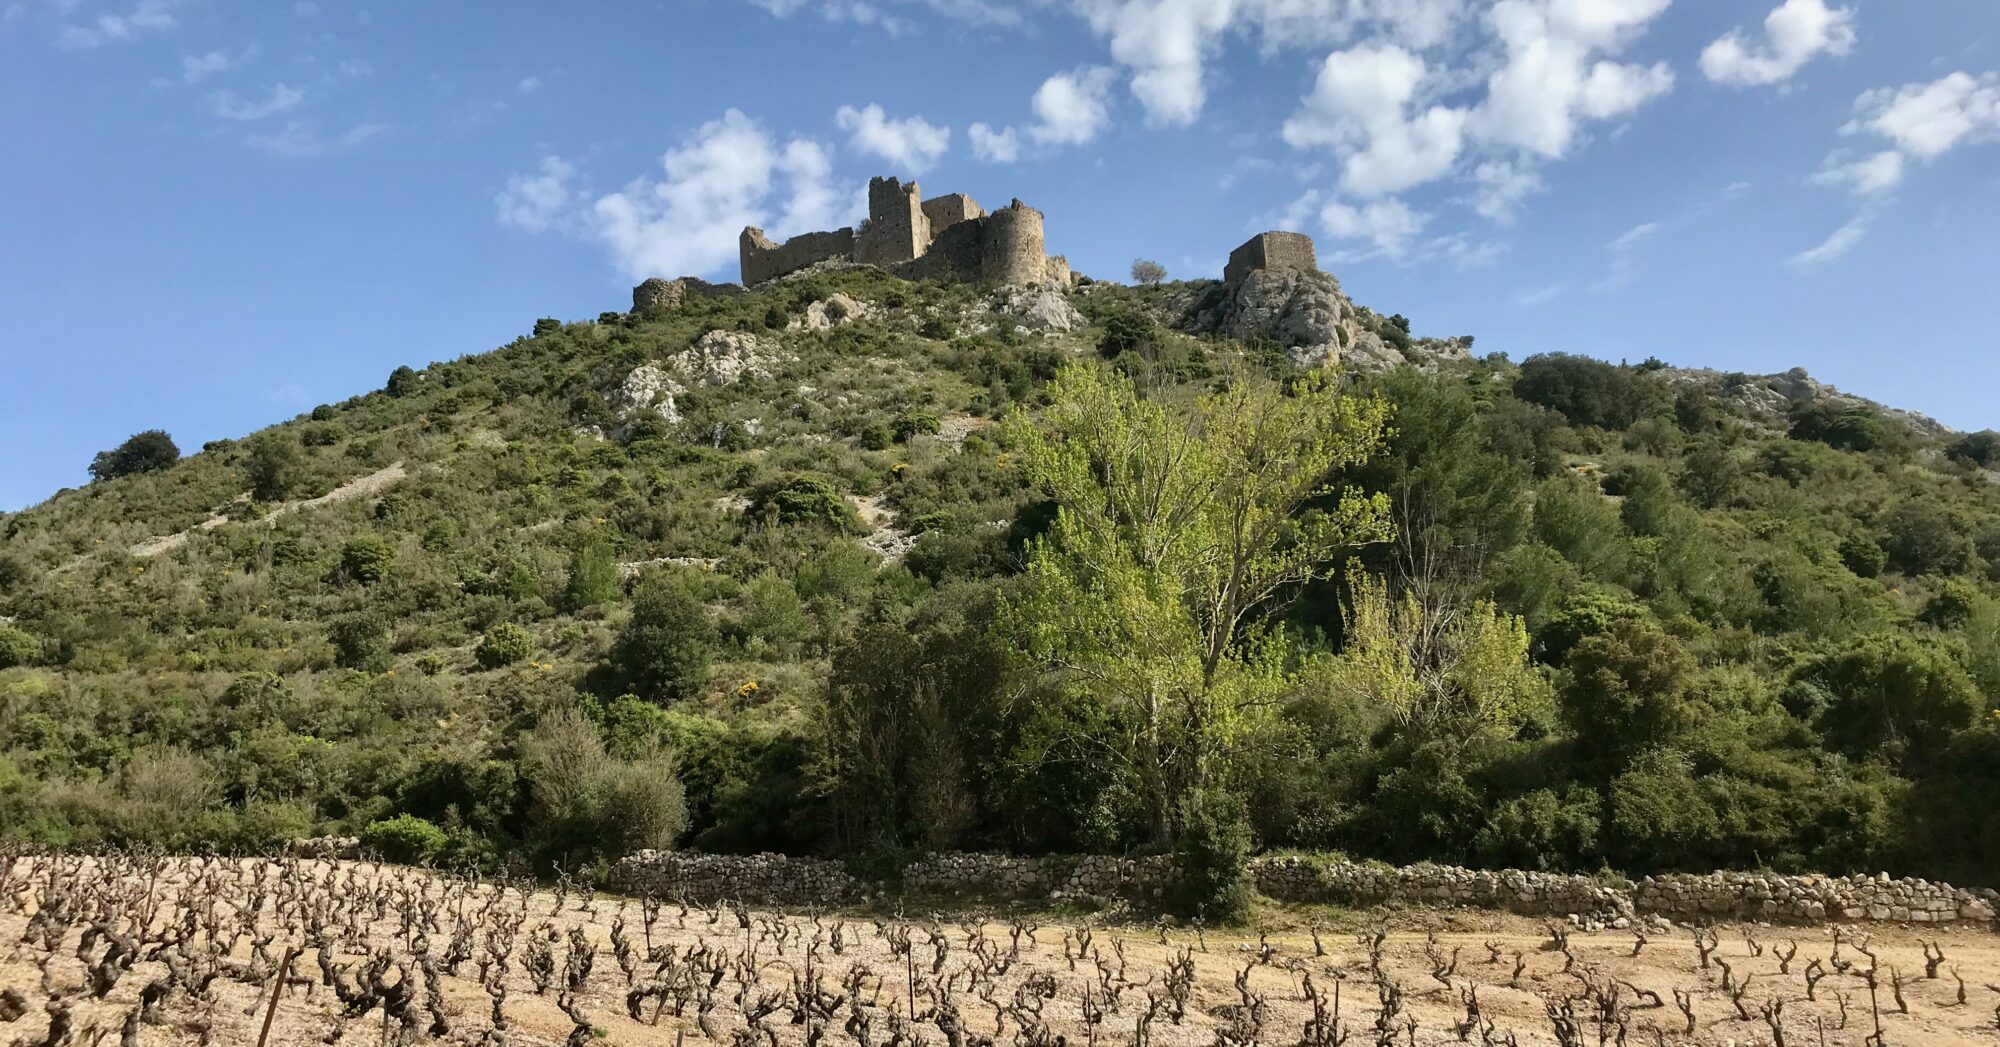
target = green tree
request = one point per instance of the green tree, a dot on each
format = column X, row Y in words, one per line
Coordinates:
column 276, row 467
column 360, row 641
column 141, row 453
column 403, row 381
column 593, row 577
column 1627, row 688
column 1891, row 698
column 404, row 839
column 17, row 648
column 663, row 652
column 1590, row 392
column 805, row 500
column 1147, row 273
column 1179, row 523
column 366, row 559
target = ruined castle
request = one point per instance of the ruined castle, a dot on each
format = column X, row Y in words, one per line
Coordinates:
column 947, row 237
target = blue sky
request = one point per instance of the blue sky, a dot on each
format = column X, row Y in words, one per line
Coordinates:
column 215, row 215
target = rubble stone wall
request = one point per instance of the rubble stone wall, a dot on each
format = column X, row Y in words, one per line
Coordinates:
column 1272, row 250
column 764, row 259
column 778, row 880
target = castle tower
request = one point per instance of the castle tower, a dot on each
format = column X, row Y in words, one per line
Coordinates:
column 897, row 229
column 1010, row 251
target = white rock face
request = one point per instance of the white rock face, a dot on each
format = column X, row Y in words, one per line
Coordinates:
column 724, row 357
column 648, row 390
column 1299, row 310
column 1041, row 309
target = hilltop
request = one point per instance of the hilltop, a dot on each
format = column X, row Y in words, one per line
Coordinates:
column 730, row 570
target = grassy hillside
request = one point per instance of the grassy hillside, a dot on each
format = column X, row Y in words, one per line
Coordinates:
column 493, row 610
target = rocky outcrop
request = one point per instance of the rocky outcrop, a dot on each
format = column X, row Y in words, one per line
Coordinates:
column 1303, row 311
column 1043, row 310
column 1767, row 399
column 833, row 311
column 725, row 357
column 648, row 391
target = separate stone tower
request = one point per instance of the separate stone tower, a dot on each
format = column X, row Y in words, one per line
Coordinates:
column 1272, row 250
column 1011, row 252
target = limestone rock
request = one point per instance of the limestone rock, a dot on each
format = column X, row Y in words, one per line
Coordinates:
column 648, row 390
column 1044, row 310
column 724, row 357
column 833, row 311
column 1301, row 310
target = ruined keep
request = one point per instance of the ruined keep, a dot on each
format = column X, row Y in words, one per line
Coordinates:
column 947, row 237
column 1272, row 250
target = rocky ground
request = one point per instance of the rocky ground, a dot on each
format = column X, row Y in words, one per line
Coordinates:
column 203, row 941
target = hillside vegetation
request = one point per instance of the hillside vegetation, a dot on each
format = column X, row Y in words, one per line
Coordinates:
column 1555, row 614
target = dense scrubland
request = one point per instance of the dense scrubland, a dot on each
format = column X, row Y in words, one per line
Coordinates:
column 926, row 581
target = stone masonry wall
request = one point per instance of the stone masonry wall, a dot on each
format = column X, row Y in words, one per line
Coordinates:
column 1011, row 246
column 943, row 212
column 897, row 230
column 1272, row 250
column 778, row 880
column 764, row 259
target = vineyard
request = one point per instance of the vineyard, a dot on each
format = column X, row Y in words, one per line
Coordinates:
column 155, row 950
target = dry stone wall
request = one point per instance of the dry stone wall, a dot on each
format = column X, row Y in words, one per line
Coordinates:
column 778, row 880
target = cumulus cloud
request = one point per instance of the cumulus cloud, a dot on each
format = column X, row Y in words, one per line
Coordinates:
column 542, row 202
column 1920, row 122
column 1795, row 33
column 994, row 147
column 728, row 173
column 1362, row 106
column 1397, row 120
column 283, row 98
column 1929, row 120
column 1554, row 75
column 196, row 68
column 1072, row 108
column 1167, row 45
column 1388, row 225
column 909, row 144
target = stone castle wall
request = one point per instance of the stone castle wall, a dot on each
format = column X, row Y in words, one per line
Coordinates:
column 1272, row 250
column 770, row 879
column 764, row 260
column 948, row 237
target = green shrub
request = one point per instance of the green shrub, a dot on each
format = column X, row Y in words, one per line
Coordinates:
column 1590, row 392
column 593, row 577
column 403, row 381
column 366, row 560
column 1211, row 856
column 1839, row 424
column 1981, row 448
column 504, row 644
column 1863, row 555
column 141, row 453
column 360, row 641
column 404, row 839
column 17, row 648
column 912, row 423
column 806, row 500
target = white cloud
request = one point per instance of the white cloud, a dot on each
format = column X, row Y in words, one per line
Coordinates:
column 303, row 138
column 727, row 174
column 1929, row 120
column 1875, row 173
column 196, row 68
column 1072, row 108
column 1541, row 296
column 542, row 202
column 1361, row 106
column 877, row 13
column 283, row 99
column 1501, row 186
column 1389, row 225
column 1796, row 32
column 1634, row 235
column 994, row 147
column 911, row 145
column 145, row 16
column 529, row 85
column 1837, row 245
column 1554, row 77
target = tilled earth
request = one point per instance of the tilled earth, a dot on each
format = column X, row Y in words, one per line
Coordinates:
column 185, row 951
